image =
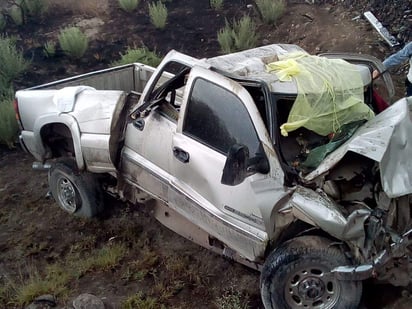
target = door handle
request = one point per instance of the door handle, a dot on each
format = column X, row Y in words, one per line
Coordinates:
column 181, row 155
column 139, row 124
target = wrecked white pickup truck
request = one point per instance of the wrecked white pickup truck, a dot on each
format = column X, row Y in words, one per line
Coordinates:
column 240, row 155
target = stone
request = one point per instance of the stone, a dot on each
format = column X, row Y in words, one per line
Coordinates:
column 43, row 302
column 88, row 301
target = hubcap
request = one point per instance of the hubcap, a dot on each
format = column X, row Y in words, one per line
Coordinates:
column 67, row 195
column 312, row 287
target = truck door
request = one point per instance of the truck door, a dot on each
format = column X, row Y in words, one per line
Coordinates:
column 147, row 151
column 216, row 114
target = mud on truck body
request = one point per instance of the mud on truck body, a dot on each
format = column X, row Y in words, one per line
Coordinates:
column 199, row 140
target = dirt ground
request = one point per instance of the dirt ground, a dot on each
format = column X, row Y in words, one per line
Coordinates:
column 35, row 233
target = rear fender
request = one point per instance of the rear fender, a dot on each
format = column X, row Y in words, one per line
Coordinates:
column 66, row 120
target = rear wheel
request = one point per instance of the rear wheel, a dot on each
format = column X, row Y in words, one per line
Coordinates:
column 297, row 275
column 75, row 192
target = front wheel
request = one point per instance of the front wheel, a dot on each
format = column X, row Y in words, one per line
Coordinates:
column 75, row 192
column 297, row 275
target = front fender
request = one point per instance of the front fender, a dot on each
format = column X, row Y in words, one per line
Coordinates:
column 321, row 211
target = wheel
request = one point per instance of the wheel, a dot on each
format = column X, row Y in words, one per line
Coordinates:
column 297, row 275
column 75, row 192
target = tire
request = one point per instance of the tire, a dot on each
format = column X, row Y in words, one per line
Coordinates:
column 297, row 275
column 75, row 192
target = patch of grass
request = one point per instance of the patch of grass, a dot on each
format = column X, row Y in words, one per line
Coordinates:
column 87, row 243
column 54, row 282
column 138, row 269
column 142, row 55
column 103, row 259
column 16, row 15
column 129, row 5
column 271, row 10
column 158, row 14
column 6, row 291
column 12, row 63
column 3, row 22
column 35, row 8
column 217, row 5
column 225, row 39
column 73, row 42
column 140, row 301
column 57, row 277
column 49, row 49
column 239, row 36
column 23, row 10
column 232, row 299
column 244, row 33
column 8, row 125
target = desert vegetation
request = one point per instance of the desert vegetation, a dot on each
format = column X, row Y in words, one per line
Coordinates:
column 216, row 4
column 239, row 35
column 142, row 55
column 73, row 42
column 158, row 14
column 129, row 5
column 12, row 64
column 271, row 10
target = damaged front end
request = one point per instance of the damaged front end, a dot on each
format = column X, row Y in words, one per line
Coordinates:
column 360, row 195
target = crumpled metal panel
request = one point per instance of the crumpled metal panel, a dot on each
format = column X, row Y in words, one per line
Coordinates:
column 94, row 110
column 396, row 164
column 386, row 139
column 319, row 210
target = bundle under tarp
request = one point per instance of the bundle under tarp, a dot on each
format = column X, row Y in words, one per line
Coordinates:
column 330, row 92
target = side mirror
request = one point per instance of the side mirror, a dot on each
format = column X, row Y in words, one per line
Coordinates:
column 258, row 164
column 235, row 170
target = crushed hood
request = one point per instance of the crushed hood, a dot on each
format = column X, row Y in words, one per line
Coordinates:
column 386, row 139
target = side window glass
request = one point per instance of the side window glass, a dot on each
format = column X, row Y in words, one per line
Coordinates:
column 217, row 118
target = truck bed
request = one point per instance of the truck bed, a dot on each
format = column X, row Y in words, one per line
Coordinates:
column 93, row 122
column 131, row 77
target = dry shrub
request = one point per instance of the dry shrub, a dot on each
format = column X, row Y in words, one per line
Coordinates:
column 85, row 7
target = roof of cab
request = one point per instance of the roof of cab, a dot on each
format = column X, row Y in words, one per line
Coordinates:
column 250, row 64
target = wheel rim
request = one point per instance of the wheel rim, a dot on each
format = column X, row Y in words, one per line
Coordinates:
column 67, row 196
column 312, row 287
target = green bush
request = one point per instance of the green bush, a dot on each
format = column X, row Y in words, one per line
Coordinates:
column 24, row 9
column 271, row 10
column 49, row 49
column 2, row 22
column 12, row 63
column 244, row 33
column 35, row 8
column 8, row 124
column 16, row 15
column 225, row 39
column 129, row 5
column 142, row 55
column 216, row 4
column 158, row 14
column 240, row 36
column 73, row 42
